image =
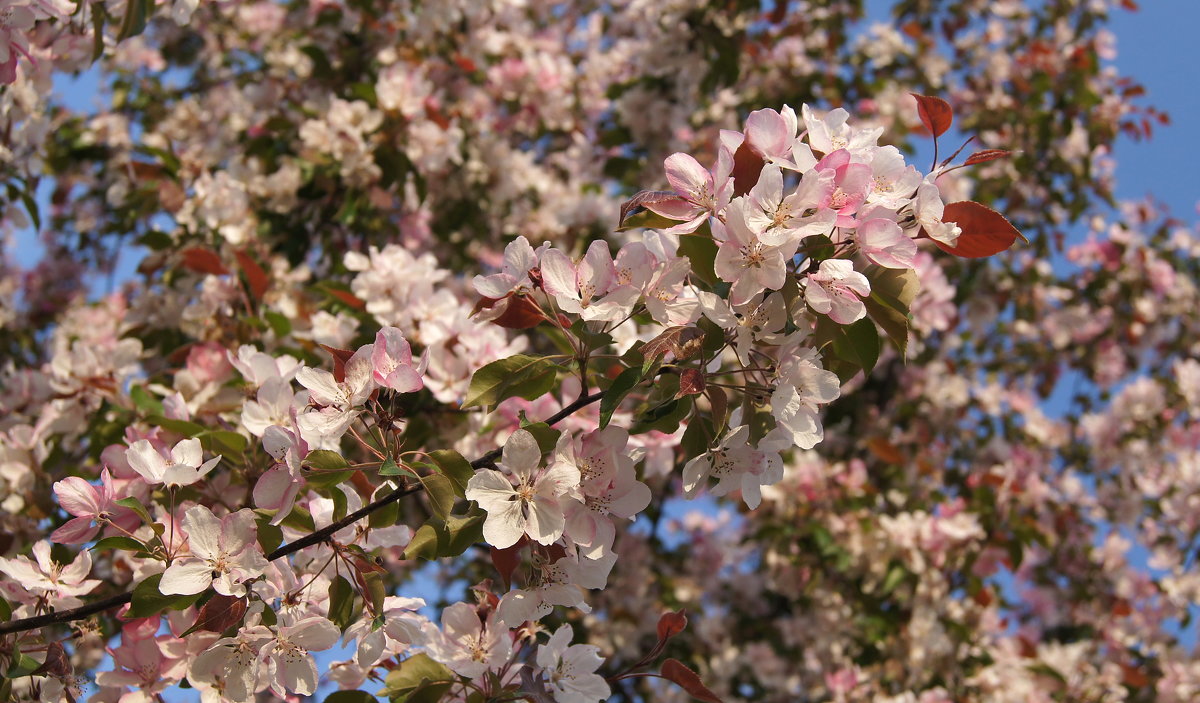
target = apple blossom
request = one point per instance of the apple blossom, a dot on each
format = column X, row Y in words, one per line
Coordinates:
column 468, row 645
column 183, row 465
column 744, row 260
column 223, row 554
column 570, row 669
column 519, row 498
column 837, row 290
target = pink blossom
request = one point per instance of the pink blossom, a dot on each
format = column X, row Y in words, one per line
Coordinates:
column 224, row 553
column 92, row 508
column 182, row 466
column 836, row 289
column 520, row 499
column 589, row 288
column 882, row 241
column 571, row 670
column 745, row 260
column 470, row 646
column 392, row 365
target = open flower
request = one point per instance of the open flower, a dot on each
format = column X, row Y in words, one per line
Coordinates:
column 391, row 361
column 570, row 669
column 183, row 466
column 519, row 258
column 837, row 290
column 92, row 507
column 744, row 260
column 467, row 645
column 224, row 553
column 519, row 499
column 590, row 288
column 290, row 666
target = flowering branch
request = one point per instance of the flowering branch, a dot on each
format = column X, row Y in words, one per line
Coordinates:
column 316, row 537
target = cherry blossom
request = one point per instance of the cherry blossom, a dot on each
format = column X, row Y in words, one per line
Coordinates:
column 588, row 288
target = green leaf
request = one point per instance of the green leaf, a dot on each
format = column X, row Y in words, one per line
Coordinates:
column 128, row 544
column 414, row 672
column 224, row 442
column 893, row 322
column 326, row 479
column 391, row 468
column 5, row 610
column 818, row 247
column 892, row 294
column 156, row 240
column 895, row 575
column 325, row 460
column 23, row 665
column 664, row 417
column 137, row 12
column 528, row 377
column 856, row 344
column 546, row 436
column 282, row 327
column 455, row 467
column 269, row 536
column 701, row 250
column 182, row 427
column 621, row 385
column 136, row 506
column 145, row 402
column 149, row 601
column 341, row 603
column 376, row 590
column 448, row 538
column 32, row 208
column 441, row 492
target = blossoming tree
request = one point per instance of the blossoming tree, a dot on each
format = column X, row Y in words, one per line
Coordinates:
column 579, row 351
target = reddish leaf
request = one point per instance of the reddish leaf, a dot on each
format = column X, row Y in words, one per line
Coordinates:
column 56, row 664
column 691, row 382
column 984, row 231
column 507, row 560
column 747, row 167
column 340, row 357
column 935, row 114
column 219, row 614
column 513, row 312
column 257, row 278
column 671, row 624
column 987, row 155
column 683, row 342
column 720, row 406
column 203, row 260
column 348, row 298
column 688, row 680
column 645, row 199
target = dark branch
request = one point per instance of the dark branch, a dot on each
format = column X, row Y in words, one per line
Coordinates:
column 317, row 537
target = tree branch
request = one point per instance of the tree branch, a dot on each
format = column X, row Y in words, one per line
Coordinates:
column 316, row 537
